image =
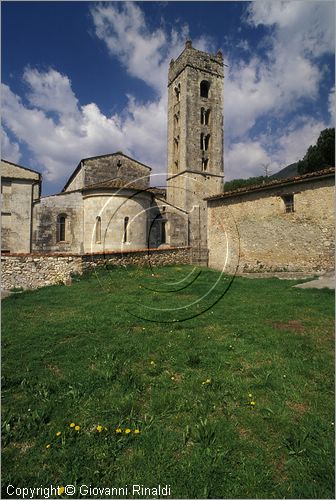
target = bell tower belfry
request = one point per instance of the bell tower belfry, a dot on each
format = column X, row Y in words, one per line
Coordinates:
column 195, row 135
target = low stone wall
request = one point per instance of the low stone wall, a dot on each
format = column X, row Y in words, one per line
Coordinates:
column 35, row 271
column 30, row 271
column 148, row 257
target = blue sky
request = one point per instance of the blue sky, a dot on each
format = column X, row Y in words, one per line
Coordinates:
column 81, row 79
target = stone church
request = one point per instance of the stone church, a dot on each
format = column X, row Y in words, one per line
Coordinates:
column 107, row 205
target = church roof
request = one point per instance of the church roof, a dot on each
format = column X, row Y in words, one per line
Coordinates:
column 328, row 172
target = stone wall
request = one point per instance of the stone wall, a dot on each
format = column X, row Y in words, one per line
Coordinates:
column 252, row 232
column 102, row 168
column 19, row 187
column 46, row 212
column 30, row 271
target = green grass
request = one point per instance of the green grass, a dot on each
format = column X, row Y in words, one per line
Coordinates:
column 83, row 354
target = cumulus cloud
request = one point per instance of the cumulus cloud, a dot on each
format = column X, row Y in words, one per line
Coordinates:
column 59, row 130
column 58, row 143
column 247, row 159
column 145, row 53
column 289, row 73
column 9, row 150
column 303, row 27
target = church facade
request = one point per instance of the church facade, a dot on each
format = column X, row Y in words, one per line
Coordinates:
column 108, row 205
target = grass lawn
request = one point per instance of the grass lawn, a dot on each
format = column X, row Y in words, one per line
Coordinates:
column 237, row 402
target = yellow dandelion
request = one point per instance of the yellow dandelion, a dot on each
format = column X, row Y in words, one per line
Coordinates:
column 58, row 433
column 253, row 403
column 60, row 490
column 72, row 424
column 77, row 427
column 118, row 430
column 136, row 431
column 250, row 396
column 99, row 428
column 127, row 431
column 48, row 446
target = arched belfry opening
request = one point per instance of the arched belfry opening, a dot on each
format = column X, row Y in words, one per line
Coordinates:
column 204, row 89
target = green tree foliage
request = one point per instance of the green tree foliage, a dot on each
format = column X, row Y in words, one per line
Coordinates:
column 251, row 181
column 321, row 155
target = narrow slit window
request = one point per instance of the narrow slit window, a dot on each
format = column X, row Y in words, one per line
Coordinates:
column 61, row 221
column 98, row 229
column 206, row 142
column 126, row 221
column 177, row 91
column 289, row 203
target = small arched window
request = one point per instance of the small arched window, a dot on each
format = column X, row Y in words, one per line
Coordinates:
column 126, row 221
column 204, row 88
column 61, row 221
column 98, row 229
column 163, row 232
column 205, row 163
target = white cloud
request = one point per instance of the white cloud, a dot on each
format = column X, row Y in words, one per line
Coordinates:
column 288, row 73
column 304, row 27
column 293, row 144
column 144, row 53
column 247, row 159
column 59, row 130
column 59, row 143
column 50, row 91
column 9, row 150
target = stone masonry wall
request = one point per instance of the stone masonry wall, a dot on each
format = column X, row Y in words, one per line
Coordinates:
column 142, row 258
column 30, row 271
column 253, row 233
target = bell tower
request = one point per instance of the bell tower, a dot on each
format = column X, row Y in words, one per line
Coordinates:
column 195, row 135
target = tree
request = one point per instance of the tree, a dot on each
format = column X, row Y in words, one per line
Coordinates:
column 321, row 155
column 240, row 183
